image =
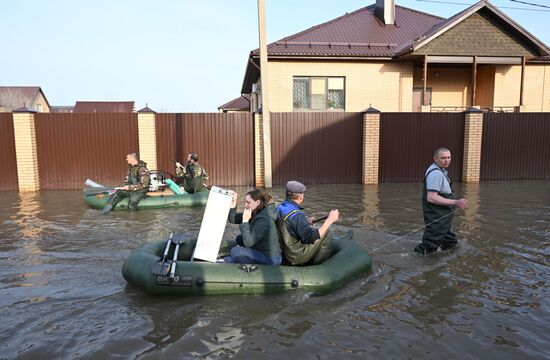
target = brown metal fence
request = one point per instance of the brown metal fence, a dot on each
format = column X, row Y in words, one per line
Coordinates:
column 8, row 180
column 72, row 147
column 317, row 148
column 515, row 146
column 223, row 141
column 407, row 142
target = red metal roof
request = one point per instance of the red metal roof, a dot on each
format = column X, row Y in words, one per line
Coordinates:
column 242, row 103
column 360, row 33
column 104, row 107
column 13, row 97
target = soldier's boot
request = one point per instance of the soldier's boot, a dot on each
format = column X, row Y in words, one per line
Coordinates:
column 111, row 202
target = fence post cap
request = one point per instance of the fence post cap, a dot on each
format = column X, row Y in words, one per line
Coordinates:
column 371, row 110
column 472, row 109
column 146, row 109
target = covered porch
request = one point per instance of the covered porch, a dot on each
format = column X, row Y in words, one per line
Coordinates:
column 456, row 83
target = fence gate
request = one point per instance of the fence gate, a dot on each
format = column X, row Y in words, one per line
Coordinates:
column 408, row 140
column 223, row 141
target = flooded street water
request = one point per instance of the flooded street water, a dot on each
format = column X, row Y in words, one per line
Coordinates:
column 62, row 294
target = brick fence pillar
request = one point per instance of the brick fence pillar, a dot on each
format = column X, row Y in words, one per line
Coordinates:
column 147, row 135
column 473, row 131
column 259, row 174
column 371, row 145
column 25, row 150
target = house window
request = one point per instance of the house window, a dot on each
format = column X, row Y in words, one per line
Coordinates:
column 39, row 107
column 318, row 93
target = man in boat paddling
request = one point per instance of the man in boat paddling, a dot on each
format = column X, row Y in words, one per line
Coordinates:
column 302, row 242
column 438, row 205
column 193, row 174
column 136, row 185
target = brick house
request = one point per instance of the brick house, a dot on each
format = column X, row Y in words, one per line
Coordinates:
column 398, row 59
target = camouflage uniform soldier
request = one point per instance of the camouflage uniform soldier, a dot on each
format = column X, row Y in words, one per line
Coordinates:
column 193, row 174
column 136, row 185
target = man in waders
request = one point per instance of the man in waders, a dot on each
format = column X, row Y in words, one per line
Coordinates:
column 193, row 174
column 438, row 205
column 301, row 242
column 136, row 185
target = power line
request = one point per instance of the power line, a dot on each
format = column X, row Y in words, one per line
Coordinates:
column 532, row 4
column 500, row 7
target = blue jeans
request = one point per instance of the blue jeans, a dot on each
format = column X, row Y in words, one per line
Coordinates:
column 245, row 255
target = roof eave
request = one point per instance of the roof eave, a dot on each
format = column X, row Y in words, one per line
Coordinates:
column 328, row 57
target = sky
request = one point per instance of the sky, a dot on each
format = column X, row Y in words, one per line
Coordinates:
column 173, row 55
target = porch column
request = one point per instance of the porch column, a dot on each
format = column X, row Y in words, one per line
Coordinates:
column 147, row 135
column 474, row 80
column 424, row 80
column 371, row 145
column 25, row 150
column 473, row 132
column 259, row 179
column 522, row 84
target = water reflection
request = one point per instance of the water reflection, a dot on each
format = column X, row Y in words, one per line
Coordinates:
column 27, row 215
column 62, row 288
column 370, row 215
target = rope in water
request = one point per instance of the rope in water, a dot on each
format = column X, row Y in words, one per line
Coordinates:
column 415, row 230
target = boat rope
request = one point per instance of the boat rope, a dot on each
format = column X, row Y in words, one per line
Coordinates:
column 415, row 230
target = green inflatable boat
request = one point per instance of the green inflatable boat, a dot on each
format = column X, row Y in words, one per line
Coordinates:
column 142, row 267
column 97, row 200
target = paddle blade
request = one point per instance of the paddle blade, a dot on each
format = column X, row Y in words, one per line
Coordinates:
column 161, row 268
column 93, row 184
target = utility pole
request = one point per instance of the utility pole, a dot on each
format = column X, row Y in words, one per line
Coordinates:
column 265, row 102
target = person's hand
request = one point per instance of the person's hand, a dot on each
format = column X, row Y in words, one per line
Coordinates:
column 178, row 164
column 234, row 196
column 126, row 187
column 333, row 216
column 247, row 214
column 462, row 203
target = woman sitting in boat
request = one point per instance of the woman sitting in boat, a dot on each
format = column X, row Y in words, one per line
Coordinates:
column 259, row 239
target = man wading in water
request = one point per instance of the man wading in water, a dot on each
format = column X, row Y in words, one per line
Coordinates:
column 438, row 206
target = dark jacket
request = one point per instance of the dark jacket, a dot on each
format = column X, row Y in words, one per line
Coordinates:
column 296, row 222
column 260, row 232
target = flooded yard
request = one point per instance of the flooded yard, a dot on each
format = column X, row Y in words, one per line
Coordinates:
column 62, row 294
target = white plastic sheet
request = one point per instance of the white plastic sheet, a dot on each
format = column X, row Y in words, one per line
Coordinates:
column 213, row 224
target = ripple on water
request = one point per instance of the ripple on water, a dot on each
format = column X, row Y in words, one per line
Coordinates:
column 62, row 287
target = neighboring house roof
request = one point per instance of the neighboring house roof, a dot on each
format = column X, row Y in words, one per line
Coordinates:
column 62, row 109
column 103, row 106
column 242, row 103
column 14, row 97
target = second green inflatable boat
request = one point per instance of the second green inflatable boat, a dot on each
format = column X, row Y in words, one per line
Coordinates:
column 203, row 278
column 99, row 200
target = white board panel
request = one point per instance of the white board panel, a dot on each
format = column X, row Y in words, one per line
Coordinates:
column 213, row 224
